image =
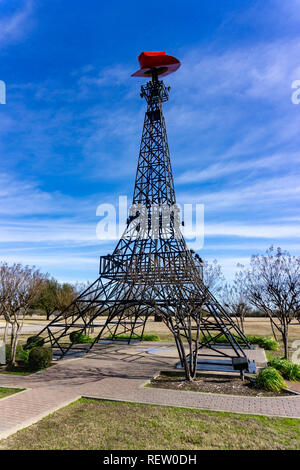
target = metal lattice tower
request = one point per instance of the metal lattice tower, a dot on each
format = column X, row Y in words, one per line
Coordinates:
column 151, row 271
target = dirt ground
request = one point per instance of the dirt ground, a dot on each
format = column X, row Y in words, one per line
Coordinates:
column 212, row 384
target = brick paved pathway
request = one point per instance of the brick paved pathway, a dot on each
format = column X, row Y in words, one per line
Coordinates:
column 117, row 373
column 295, row 386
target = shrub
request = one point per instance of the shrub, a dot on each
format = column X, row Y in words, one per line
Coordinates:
column 34, row 342
column 77, row 337
column 8, row 351
column 270, row 379
column 287, row 369
column 24, row 356
column 270, row 344
column 147, row 337
column 151, row 337
column 39, row 358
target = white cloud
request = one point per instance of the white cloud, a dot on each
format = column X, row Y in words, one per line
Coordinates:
column 112, row 75
column 268, row 231
column 51, row 260
column 214, row 106
column 23, row 198
column 12, row 27
column 265, row 192
column 50, row 230
column 252, row 246
column 225, row 167
column 264, row 71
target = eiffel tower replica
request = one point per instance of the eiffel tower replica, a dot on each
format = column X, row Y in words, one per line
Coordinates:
column 152, row 271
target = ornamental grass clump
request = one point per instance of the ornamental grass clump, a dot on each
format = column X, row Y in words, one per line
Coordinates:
column 270, row 379
column 270, row 344
column 287, row 369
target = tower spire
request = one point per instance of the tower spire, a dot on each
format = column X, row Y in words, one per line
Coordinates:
column 154, row 180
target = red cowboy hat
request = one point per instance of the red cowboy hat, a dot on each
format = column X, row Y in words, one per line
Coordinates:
column 164, row 64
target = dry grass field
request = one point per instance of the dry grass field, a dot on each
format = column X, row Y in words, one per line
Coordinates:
column 257, row 326
column 253, row 326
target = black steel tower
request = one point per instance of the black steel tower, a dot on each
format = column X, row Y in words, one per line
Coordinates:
column 152, row 271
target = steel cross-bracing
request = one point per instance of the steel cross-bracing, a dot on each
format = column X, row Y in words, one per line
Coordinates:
column 152, row 271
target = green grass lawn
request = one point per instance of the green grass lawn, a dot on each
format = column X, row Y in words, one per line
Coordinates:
column 5, row 392
column 14, row 372
column 92, row 424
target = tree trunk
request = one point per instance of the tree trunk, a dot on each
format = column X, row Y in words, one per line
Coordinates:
column 188, row 320
column 285, row 338
column 184, row 359
column 273, row 331
column 242, row 323
column 158, row 318
column 5, row 333
column 14, row 343
column 195, row 354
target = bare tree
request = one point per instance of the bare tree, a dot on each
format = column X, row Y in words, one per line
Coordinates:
column 19, row 285
column 93, row 309
column 184, row 319
column 235, row 299
column 272, row 284
column 212, row 275
column 3, row 301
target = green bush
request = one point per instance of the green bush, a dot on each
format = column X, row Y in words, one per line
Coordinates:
column 24, row 356
column 287, row 369
column 77, row 337
column 270, row 379
column 147, row 337
column 151, row 337
column 222, row 339
column 39, row 358
column 34, row 342
column 8, row 352
column 270, row 344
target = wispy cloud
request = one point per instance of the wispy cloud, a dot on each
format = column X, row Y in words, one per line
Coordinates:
column 14, row 25
column 264, row 70
column 25, row 198
column 230, row 167
column 111, row 76
column 233, row 134
column 267, row 231
column 266, row 192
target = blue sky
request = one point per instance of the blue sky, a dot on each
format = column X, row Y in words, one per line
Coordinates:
column 70, row 131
